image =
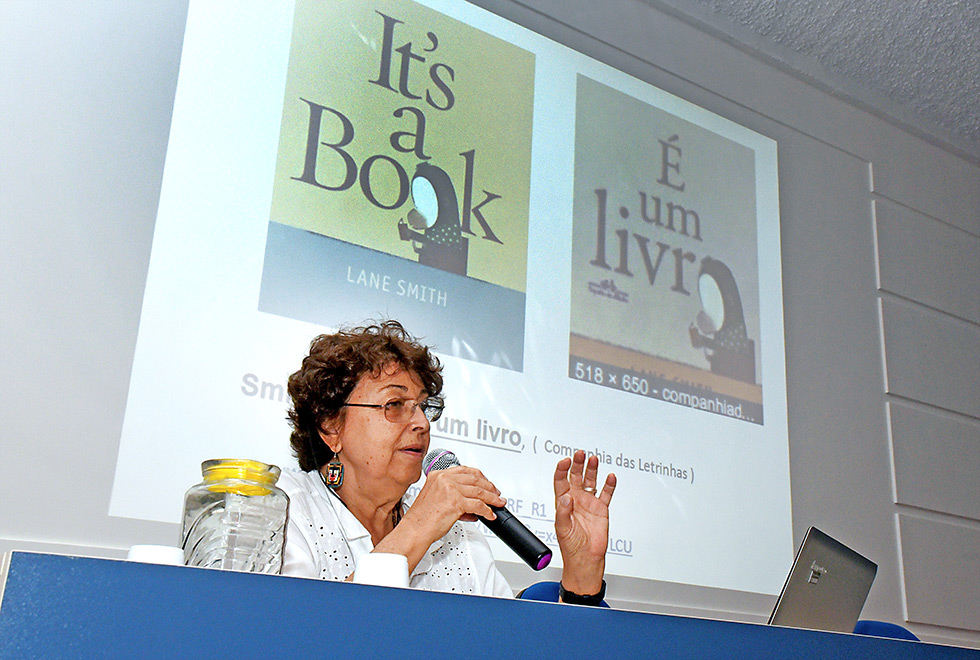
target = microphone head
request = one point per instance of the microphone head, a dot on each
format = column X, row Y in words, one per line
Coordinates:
column 438, row 459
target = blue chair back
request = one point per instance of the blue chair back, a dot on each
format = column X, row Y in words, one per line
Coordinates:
column 883, row 629
column 546, row 592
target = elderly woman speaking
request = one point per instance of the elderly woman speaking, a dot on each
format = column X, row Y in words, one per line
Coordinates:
column 362, row 405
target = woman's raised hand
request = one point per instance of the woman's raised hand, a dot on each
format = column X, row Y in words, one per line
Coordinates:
column 582, row 522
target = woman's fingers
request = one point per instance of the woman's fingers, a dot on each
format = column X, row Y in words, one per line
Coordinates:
column 561, row 477
column 478, row 501
column 563, row 514
column 575, row 474
column 591, row 473
column 605, row 496
column 467, row 490
column 468, row 475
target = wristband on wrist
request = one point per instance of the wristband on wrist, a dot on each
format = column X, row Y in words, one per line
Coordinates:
column 578, row 599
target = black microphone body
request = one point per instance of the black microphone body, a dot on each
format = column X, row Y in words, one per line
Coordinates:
column 506, row 525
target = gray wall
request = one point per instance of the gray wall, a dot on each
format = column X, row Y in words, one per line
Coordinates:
column 881, row 262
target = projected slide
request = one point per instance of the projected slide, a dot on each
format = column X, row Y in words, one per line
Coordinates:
column 660, row 231
column 595, row 262
column 403, row 177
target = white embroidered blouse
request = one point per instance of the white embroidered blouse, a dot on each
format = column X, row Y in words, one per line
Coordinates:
column 324, row 540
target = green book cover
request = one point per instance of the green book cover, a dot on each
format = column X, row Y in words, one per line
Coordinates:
column 402, row 183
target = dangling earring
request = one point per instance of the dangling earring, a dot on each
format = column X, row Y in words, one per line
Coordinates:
column 335, row 473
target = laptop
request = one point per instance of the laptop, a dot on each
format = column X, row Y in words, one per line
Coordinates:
column 826, row 588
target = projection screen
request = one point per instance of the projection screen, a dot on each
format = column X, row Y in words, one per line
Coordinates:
column 595, row 261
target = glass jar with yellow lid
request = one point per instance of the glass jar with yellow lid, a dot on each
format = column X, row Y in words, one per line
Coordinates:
column 235, row 518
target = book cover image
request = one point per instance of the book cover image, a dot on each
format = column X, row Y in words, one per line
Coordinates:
column 402, row 180
column 664, row 283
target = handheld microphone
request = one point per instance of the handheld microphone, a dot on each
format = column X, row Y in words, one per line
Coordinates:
column 506, row 526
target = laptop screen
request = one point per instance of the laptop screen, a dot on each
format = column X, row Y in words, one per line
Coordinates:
column 826, row 588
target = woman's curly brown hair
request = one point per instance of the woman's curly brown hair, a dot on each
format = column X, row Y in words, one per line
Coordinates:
column 333, row 368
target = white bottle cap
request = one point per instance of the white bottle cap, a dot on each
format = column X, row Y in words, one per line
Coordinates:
column 156, row 554
column 382, row 568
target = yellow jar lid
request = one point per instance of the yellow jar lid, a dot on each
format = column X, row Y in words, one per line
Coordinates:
column 239, row 476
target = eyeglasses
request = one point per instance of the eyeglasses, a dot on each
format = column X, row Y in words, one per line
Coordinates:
column 399, row 411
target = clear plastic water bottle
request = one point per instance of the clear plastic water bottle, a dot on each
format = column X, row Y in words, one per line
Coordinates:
column 235, row 519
